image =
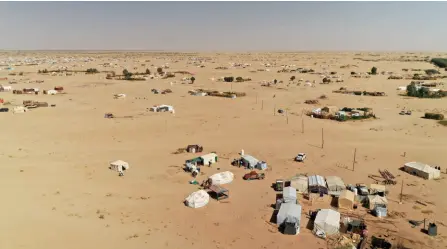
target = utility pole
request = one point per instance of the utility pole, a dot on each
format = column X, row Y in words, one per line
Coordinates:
column 287, row 117
column 256, row 98
column 262, row 105
column 274, row 110
column 322, row 138
column 401, row 191
column 353, row 161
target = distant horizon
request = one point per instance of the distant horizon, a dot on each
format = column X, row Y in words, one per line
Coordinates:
column 224, row 26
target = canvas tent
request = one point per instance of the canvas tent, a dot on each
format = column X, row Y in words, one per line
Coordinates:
column 327, row 221
column 249, row 161
column 119, row 165
column 317, row 184
column 376, row 189
column 346, row 199
column 377, row 200
column 197, row 199
column 422, row 170
column 289, row 194
column 222, row 178
column 300, row 183
column 335, row 185
column 211, row 157
column 289, row 212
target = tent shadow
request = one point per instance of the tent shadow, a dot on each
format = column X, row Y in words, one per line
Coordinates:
column 310, row 225
column 273, row 218
column 334, row 202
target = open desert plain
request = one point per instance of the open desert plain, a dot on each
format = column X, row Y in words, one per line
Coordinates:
column 58, row 191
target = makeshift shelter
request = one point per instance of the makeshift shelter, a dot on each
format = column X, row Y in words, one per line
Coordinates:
column 380, row 211
column 335, row 185
column 119, row 165
column 261, row 165
column 289, row 213
column 211, row 157
column 193, row 148
column 376, row 201
column 51, row 92
column 317, row 184
column 219, row 192
column 222, row 178
column 377, row 189
column 19, row 109
column 346, row 199
column 289, row 194
column 249, row 161
column 327, row 221
column 422, row 170
column 197, row 199
column 300, row 183
column 329, row 109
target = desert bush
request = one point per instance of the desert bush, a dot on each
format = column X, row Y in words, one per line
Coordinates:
column 374, row 70
column 148, row 71
column 159, row 70
column 193, row 79
column 353, row 73
column 21, row 73
column 435, row 116
column 440, row 62
column 431, row 71
column 292, row 78
column 229, row 79
column 92, row 70
column 239, row 79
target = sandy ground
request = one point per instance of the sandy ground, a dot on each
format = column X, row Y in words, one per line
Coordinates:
column 56, row 183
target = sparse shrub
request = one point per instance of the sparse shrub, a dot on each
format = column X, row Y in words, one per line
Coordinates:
column 374, row 70
column 440, row 62
column 275, row 81
column 92, row 70
column 229, row 79
column 160, row 70
column 148, row 71
column 353, row 73
column 292, row 78
column 435, row 116
column 21, row 73
column 125, row 72
column 193, row 79
column 239, row 79
column 431, row 71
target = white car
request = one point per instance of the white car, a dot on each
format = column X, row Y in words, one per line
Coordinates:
column 300, row 157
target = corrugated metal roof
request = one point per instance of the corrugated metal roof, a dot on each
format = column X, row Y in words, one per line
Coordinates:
column 317, row 180
column 420, row 166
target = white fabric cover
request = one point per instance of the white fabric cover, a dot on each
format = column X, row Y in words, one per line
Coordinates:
column 197, row 199
column 119, row 165
column 289, row 211
column 328, row 221
column 222, row 178
column 422, row 170
column 376, row 200
column 51, row 92
column 289, row 194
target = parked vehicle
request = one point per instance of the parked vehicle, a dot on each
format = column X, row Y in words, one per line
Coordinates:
column 253, row 175
column 300, row 157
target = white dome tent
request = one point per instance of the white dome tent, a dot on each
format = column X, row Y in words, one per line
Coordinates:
column 119, row 166
column 197, row 199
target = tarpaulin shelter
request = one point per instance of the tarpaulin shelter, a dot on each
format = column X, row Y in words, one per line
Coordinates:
column 289, row 194
column 327, row 221
column 377, row 200
column 335, row 185
column 290, row 213
column 300, row 183
column 346, row 199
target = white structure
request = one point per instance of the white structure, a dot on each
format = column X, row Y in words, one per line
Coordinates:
column 197, row 199
column 377, row 201
column 222, row 178
column 19, row 109
column 289, row 194
column 119, row 165
column 317, row 184
column 211, row 157
column 346, row 199
column 52, row 92
column 327, row 222
column 5, row 88
column 289, row 212
column 335, row 185
column 119, row 96
column 422, row 170
column 163, row 108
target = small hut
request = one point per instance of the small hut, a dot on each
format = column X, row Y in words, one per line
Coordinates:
column 346, row 200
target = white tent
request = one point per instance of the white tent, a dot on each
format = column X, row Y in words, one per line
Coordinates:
column 290, row 212
column 19, row 109
column 376, row 200
column 327, row 221
column 335, row 185
column 289, row 194
column 422, row 170
column 119, row 165
column 222, row 178
column 209, row 157
column 300, row 183
column 52, row 92
column 317, row 184
column 197, row 199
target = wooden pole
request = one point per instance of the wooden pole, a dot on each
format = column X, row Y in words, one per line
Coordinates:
column 262, row 105
column 401, row 191
column 322, row 138
column 287, row 117
column 274, row 110
column 256, row 98
column 302, row 125
column 353, row 161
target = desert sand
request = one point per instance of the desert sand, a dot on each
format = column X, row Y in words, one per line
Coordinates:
column 58, row 192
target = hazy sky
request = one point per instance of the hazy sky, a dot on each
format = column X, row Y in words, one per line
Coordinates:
column 224, row 26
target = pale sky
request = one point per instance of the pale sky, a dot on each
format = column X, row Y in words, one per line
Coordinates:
column 224, row 26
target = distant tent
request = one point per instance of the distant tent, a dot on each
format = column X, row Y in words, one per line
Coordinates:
column 222, row 178
column 327, row 221
column 197, row 199
column 346, row 199
column 300, row 183
column 422, row 170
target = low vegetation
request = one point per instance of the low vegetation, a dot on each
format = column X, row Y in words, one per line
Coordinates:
column 435, row 116
column 439, row 62
column 424, row 92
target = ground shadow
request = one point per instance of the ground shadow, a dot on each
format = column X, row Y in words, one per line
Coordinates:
column 273, row 218
column 310, row 224
column 334, row 202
